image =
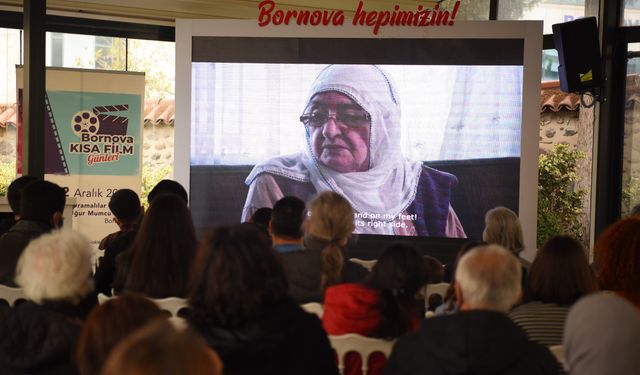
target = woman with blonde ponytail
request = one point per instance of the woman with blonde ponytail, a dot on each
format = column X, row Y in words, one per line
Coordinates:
column 323, row 261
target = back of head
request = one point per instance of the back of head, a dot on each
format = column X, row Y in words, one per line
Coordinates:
column 125, row 205
column 262, row 217
column 168, row 187
column 502, row 227
column 602, row 336
column 236, row 276
column 159, row 349
column 560, row 273
column 435, row 268
column 56, row 267
column 14, row 192
column 330, row 220
column 287, row 217
column 489, row 278
column 617, row 257
column 108, row 324
column 41, row 200
column 163, row 250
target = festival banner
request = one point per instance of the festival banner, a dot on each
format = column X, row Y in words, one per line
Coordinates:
column 93, row 140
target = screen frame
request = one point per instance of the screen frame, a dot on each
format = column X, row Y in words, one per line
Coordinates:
column 530, row 32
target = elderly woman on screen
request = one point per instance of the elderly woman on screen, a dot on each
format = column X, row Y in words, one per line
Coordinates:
column 352, row 124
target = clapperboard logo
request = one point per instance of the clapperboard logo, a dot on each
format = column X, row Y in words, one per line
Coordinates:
column 103, row 135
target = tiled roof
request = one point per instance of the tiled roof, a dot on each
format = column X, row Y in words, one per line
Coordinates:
column 554, row 99
column 156, row 112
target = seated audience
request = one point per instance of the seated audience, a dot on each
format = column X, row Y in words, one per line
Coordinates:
column 324, row 261
column 38, row 336
column 436, row 276
column 602, row 336
column 127, row 213
column 617, row 259
column 168, row 187
column 157, row 264
column 286, row 224
column 14, row 197
column 558, row 277
column 240, row 305
column 502, row 227
column 159, row 349
column 261, row 218
column 450, row 305
column 107, row 325
column 40, row 212
column 480, row 339
column 384, row 306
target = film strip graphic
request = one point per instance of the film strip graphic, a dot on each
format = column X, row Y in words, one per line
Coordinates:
column 55, row 161
column 111, row 124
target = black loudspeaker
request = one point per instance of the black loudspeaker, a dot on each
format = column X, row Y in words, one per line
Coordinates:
column 580, row 67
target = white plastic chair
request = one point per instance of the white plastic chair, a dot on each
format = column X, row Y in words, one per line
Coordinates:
column 11, row 295
column 364, row 346
column 368, row 264
column 558, row 352
column 102, row 298
column 313, row 308
column 171, row 305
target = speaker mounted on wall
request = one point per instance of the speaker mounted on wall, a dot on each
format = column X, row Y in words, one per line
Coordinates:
column 580, row 68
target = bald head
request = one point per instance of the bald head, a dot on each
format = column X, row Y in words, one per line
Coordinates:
column 488, row 278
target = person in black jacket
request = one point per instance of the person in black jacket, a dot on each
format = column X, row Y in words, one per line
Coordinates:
column 240, row 305
column 480, row 339
column 14, row 197
column 38, row 336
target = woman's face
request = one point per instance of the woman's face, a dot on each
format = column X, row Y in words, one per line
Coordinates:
column 342, row 141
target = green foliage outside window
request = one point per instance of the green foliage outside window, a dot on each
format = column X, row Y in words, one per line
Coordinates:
column 150, row 177
column 7, row 174
column 630, row 193
column 559, row 205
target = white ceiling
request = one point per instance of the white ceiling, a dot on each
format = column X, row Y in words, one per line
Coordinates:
column 167, row 11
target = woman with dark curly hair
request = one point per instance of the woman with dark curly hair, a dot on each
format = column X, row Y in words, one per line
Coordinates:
column 617, row 259
column 240, row 305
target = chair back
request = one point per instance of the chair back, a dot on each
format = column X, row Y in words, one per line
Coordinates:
column 558, row 352
column 364, row 346
column 368, row 264
column 313, row 308
column 172, row 305
column 12, row 295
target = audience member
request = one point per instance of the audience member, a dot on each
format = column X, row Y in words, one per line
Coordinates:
column 168, row 187
column 127, row 213
column 323, row 262
column 383, row 306
column 14, row 197
column 159, row 349
column 450, row 305
column 41, row 210
column 436, row 275
column 107, row 325
column 240, row 305
column 158, row 263
column 617, row 259
column 286, row 224
column 502, row 227
column 602, row 336
column 480, row 338
column 261, row 218
column 558, row 277
column 38, row 336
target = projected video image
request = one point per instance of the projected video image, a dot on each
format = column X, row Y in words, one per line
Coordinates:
column 412, row 147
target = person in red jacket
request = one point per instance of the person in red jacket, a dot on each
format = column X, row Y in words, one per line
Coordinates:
column 382, row 307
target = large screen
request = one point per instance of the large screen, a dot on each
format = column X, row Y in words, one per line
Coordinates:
column 421, row 135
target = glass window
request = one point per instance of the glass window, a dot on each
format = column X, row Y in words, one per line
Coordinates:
column 469, row 10
column 85, row 51
column 631, row 13
column 549, row 11
column 10, row 56
column 631, row 158
column 550, row 65
column 157, row 60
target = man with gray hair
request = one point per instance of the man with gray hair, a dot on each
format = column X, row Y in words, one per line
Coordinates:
column 480, row 339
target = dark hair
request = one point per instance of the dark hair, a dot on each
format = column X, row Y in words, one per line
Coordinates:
column 125, row 205
column 262, row 217
column 398, row 275
column 14, row 192
column 107, row 325
column 159, row 348
column 41, row 199
column 236, row 277
column 560, row 273
column 163, row 250
column 435, row 269
column 168, row 187
column 617, row 256
column 287, row 217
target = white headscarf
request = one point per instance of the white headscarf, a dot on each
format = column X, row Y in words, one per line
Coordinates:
column 389, row 185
